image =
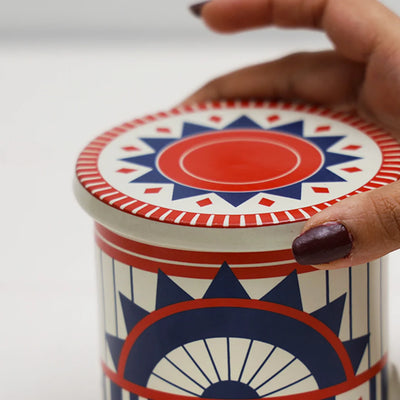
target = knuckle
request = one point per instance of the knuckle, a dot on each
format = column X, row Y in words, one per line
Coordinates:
column 387, row 210
column 291, row 65
column 214, row 89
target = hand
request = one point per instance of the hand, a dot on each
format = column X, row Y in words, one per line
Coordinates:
column 362, row 74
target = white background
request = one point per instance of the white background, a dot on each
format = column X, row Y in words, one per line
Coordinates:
column 68, row 71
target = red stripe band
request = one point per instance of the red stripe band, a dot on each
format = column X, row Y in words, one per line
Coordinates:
column 193, row 256
column 180, row 262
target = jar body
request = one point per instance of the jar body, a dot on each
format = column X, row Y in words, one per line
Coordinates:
column 186, row 323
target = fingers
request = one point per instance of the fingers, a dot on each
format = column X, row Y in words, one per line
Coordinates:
column 323, row 77
column 356, row 27
column 235, row 15
column 359, row 229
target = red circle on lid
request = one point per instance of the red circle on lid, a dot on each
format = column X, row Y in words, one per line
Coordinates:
column 240, row 160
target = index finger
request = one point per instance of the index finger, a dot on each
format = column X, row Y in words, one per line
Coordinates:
column 356, row 27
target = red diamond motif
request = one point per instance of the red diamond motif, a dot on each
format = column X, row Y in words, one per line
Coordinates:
column 215, row 118
column 126, row 170
column 153, row 190
column 163, row 130
column 351, row 169
column 273, row 118
column 204, row 202
column 320, row 189
column 130, row 148
column 266, row 202
column 323, row 128
column 352, row 147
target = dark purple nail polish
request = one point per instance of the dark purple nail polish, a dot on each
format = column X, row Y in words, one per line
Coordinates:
column 322, row 244
column 197, row 8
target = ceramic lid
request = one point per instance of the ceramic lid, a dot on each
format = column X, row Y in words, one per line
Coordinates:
column 234, row 164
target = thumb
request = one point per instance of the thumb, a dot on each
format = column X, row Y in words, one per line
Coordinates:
column 356, row 230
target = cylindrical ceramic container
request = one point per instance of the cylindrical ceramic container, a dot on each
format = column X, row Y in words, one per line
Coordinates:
column 200, row 296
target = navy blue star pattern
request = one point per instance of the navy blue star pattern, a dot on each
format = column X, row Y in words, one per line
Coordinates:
column 293, row 191
column 200, row 323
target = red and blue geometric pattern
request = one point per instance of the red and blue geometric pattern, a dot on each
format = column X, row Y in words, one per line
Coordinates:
column 237, row 164
column 240, row 160
column 172, row 353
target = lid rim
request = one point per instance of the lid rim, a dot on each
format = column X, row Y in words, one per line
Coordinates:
column 185, row 237
column 92, row 181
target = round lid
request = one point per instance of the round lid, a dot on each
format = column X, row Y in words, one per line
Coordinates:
column 235, row 164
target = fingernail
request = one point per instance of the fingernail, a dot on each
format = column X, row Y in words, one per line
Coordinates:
column 197, row 8
column 322, row 244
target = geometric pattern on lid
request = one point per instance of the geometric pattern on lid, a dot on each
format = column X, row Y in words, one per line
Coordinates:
column 234, row 155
